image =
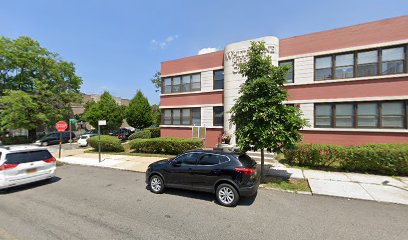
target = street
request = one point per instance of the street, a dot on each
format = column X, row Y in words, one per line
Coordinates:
column 96, row 203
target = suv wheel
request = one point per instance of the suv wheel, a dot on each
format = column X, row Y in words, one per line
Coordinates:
column 227, row 195
column 156, row 184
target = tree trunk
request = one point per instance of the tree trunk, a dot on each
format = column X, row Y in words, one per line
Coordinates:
column 32, row 134
column 262, row 164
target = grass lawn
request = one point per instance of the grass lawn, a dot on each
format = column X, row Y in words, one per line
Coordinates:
column 129, row 152
column 286, row 184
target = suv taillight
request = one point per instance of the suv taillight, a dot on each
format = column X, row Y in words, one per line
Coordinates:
column 50, row 160
column 245, row 171
column 6, row 166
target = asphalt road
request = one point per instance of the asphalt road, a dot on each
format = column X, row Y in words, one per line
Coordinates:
column 96, row 203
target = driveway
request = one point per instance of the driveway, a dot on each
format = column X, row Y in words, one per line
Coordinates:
column 100, row 203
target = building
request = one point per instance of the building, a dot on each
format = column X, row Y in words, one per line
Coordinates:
column 351, row 84
column 79, row 108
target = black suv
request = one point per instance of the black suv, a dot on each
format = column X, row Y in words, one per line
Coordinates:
column 53, row 138
column 228, row 175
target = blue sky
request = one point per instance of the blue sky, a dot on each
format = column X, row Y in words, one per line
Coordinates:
column 118, row 45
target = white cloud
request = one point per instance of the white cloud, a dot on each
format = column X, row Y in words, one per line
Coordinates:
column 207, row 50
column 162, row 44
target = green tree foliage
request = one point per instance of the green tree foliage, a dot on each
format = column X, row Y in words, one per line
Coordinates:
column 263, row 121
column 50, row 82
column 138, row 113
column 156, row 80
column 19, row 111
column 105, row 109
column 156, row 115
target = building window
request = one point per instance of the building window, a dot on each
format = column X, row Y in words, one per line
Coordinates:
column 196, row 116
column 382, row 61
column 196, row 82
column 344, row 115
column 344, row 66
column 183, row 116
column 323, row 68
column 290, row 74
column 186, row 116
column 367, row 63
column 167, row 117
column 219, row 79
column 185, row 83
column 167, row 85
column 387, row 114
column 392, row 60
column 392, row 115
column 218, row 113
column 323, row 115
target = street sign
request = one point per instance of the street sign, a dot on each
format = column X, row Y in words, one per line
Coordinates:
column 61, row 126
column 73, row 121
column 102, row 122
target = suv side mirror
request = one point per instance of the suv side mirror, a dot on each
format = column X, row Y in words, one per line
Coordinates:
column 176, row 163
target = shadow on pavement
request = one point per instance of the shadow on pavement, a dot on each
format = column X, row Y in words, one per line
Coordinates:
column 29, row 186
column 204, row 196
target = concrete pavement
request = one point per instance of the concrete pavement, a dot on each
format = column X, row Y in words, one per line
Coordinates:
column 348, row 185
column 101, row 203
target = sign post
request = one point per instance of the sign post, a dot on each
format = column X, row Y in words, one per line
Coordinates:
column 60, row 126
column 71, row 121
column 100, row 123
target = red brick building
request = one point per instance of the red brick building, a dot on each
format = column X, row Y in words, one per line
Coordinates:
column 351, row 84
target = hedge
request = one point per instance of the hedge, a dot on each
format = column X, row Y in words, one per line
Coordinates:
column 154, row 131
column 16, row 140
column 108, row 143
column 165, row 145
column 140, row 134
column 388, row 159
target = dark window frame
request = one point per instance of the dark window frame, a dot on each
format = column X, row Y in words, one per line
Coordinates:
column 292, row 61
column 222, row 116
column 181, row 83
column 218, row 70
column 355, row 115
column 355, row 66
column 172, row 110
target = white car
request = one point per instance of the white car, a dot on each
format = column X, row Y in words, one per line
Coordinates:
column 82, row 141
column 21, row 165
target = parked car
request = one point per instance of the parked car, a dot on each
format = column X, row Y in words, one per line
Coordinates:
column 21, row 165
column 228, row 175
column 53, row 138
column 122, row 133
column 83, row 139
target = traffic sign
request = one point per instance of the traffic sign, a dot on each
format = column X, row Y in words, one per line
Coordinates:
column 61, row 126
column 102, row 122
column 73, row 121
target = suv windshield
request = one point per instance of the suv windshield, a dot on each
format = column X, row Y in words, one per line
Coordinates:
column 26, row 157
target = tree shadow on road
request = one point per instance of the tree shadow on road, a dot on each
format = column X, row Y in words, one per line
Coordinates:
column 244, row 201
column 29, row 186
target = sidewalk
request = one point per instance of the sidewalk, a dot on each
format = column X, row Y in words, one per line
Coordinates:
column 348, row 185
column 123, row 162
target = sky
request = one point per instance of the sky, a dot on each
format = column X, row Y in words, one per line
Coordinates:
column 117, row 45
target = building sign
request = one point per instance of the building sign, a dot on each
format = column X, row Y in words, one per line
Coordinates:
column 240, row 56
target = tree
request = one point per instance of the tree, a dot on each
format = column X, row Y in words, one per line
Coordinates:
column 262, row 120
column 19, row 111
column 50, row 82
column 156, row 80
column 156, row 115
column 138, row 113
column 105, row 109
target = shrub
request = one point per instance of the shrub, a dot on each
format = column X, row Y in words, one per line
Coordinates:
column 140, row 134
column 389, row 159
column 165, row 145
column 154, row 131
column 108, row 143
column 16, row 140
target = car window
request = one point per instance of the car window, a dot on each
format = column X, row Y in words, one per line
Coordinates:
column 26, row 157
column 212, row 159
column 187, row 159
column 246, row 160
